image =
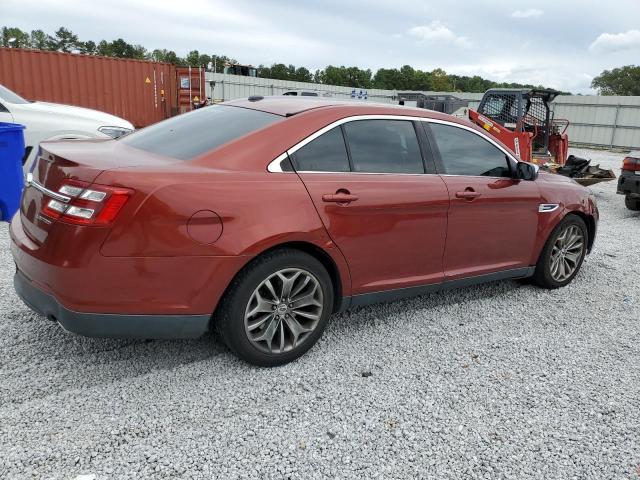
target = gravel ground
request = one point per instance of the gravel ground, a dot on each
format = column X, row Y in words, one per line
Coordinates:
column 496, row 381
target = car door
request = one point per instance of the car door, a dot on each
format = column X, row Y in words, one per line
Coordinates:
column 367, row 181
column 493, row 218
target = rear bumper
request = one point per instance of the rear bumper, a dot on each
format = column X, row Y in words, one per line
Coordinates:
column 109, row 325
column 70, row 268
column 629, row 184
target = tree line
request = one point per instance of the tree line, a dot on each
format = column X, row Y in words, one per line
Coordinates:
column 618, row 81
column 64, row 40
column 623, row 81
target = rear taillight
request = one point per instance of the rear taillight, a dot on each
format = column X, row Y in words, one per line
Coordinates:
column 87, row 204
column 631, row 163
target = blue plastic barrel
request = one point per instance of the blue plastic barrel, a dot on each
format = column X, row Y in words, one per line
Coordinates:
column 11, row 176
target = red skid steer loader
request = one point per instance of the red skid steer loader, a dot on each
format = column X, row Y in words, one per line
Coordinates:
column 522, row 119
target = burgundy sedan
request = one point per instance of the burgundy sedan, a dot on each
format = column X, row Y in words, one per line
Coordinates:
column 260, row 218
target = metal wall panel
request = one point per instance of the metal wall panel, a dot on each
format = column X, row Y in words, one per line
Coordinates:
column 627, row 138
column 603, row 115
column 131, row 89
column 228, row 87
column 607, row 121
column 629, row 116
column 586, row 134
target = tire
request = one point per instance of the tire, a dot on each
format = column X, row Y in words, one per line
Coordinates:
column 546, row 275
column 632, row 203
column 269, row 338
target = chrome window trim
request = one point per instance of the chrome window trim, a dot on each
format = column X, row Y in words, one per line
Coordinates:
column 367, row 173
column 275, row 167
column 474, row 176
column 55, row 195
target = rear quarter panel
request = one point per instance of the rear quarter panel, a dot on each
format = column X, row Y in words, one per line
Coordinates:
column 258, row 210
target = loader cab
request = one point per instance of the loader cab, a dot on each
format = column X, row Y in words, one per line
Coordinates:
column 242, row 70
column 522, row 110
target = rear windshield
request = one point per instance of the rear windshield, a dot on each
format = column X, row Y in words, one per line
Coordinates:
column 191, row 134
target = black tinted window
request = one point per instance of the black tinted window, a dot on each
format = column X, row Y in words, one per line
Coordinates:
column 465, row 153
column 384, row 146
column 327, row 153
column 191, row 134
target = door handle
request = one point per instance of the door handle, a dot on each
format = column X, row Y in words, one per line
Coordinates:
column 468, row 194
column 339, row 197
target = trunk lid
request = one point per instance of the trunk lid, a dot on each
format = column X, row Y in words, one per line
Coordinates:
column 58, row 162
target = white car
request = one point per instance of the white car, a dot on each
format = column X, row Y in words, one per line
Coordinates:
column 52, row 121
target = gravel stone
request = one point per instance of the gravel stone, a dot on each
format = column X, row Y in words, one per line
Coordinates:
column 499, row 381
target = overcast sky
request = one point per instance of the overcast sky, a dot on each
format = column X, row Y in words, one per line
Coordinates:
column 558, row 43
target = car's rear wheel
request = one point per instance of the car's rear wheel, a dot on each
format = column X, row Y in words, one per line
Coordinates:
column 276, row 308
column 562, row 255
column 632, row 203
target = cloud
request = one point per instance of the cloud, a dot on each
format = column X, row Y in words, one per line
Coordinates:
column 436, row 32
column 559, row 75
column 614, row 42
column 529, row 13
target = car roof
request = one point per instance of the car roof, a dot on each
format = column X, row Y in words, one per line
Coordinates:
column 289, row 105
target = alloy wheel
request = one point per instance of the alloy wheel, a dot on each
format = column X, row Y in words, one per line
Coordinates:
column 566, row 253
column 283, row 310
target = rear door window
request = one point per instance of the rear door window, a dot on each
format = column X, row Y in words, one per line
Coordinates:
column 466, row 153
column 326, row 153
column 384, row 146
column 191, row 134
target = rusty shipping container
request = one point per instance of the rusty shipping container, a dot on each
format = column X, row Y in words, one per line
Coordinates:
column 139, row 91
column 190, row 88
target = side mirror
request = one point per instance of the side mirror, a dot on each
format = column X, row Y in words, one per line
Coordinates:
column 526, row 171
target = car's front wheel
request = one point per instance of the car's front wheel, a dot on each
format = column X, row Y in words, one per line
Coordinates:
column 276, row 308
column 562, row 255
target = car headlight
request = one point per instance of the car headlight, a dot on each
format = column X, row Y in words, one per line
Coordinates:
column 115, row 132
